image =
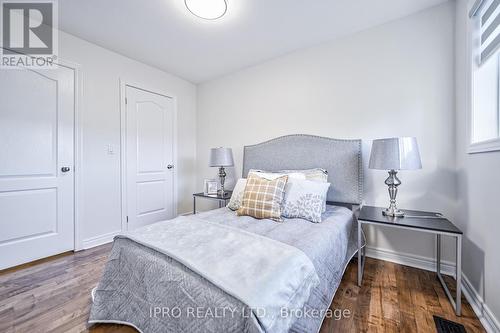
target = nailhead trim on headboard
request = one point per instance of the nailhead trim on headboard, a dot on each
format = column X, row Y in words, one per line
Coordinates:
column 341, row 158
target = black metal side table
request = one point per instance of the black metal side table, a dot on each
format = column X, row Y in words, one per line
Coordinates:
column 222, row 200
column 416, row 220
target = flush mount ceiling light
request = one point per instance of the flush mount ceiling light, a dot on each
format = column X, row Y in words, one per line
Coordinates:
column 207, row 9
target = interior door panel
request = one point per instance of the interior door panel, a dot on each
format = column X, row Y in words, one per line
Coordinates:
column 149, row 151
column 36, row 141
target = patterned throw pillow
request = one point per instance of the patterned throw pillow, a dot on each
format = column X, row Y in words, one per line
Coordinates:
column 305, row 199
column 237, row 196
column 262, row 197
column 315, row 174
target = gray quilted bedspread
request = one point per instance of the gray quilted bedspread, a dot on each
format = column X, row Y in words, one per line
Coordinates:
column 146, row 289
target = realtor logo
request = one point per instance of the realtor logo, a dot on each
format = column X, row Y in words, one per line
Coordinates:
column 29, row 33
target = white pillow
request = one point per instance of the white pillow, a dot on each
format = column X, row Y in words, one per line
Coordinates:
column 237, row 196
column 304, row 199
column 273, row 175
column 316, row 174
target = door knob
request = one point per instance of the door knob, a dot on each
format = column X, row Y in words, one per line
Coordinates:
column 170, row 166
column 65, row 169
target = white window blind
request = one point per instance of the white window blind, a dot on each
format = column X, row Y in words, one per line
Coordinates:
column 484, row 35
column 488, row 13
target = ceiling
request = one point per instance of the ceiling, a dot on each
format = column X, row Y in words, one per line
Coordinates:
column 164, row 34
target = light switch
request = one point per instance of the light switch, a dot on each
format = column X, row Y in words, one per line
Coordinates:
column 110, row 149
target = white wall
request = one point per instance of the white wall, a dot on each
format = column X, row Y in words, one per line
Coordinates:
column 392, row 80
column 478, row 177
column 101, row 71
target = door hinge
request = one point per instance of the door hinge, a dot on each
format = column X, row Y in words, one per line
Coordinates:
column 127, row 219
column 126, row 100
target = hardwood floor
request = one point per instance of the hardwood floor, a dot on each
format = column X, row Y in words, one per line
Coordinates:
column 53, row 295
column 395, row 298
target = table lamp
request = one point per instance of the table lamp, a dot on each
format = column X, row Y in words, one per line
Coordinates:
column 394, row 154
column 221, row 157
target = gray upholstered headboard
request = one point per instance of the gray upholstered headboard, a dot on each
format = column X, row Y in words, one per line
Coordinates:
column 341, row 158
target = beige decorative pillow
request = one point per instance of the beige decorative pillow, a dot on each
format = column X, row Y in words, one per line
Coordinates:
column 262, row 197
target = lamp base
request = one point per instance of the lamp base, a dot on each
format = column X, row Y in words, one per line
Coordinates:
column 222, row 176
column 393, row 182
column 222, row 194
column 393, row 212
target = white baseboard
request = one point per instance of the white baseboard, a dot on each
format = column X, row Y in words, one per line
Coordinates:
column 406, row 259
column 482, row 311
column 487, row 318
column 106, row 238
column 99, row 240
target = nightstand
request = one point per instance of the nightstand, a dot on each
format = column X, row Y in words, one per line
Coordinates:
column 429, row 222
column 222, row 200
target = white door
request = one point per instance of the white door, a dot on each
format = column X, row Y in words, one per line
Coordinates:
column 36, row 142
column 149, row 157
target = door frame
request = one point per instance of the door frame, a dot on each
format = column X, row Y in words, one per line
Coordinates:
column 124, row 83
column 77, row 151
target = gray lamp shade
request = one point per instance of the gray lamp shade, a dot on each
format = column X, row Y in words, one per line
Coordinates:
column 221, row 157
column 395, row 154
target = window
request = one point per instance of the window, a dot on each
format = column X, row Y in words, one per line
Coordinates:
column 484, row 120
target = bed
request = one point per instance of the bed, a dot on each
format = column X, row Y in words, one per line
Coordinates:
column 215, row 271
